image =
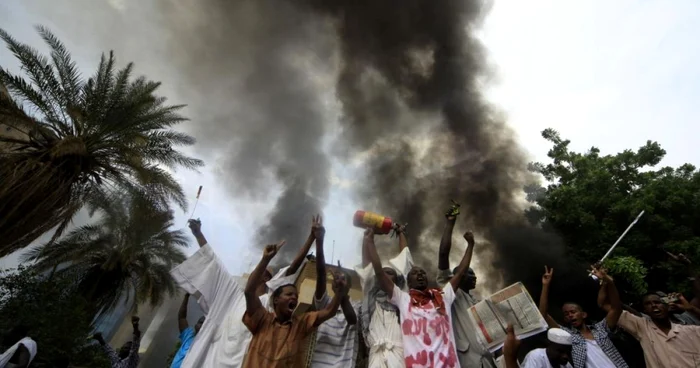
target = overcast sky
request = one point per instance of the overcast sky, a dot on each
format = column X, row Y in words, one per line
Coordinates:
column 610, row 74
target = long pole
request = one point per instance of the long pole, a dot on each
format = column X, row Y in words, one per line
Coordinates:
column 618, row 241
column 196, row 202
column 333, row 252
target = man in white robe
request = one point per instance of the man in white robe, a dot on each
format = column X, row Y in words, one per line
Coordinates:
column 223, row 340
column 379, row 319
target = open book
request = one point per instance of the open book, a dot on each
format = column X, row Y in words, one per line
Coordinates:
column 511, row 305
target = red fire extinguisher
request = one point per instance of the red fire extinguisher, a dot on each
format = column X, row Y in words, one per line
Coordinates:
column 380, row 224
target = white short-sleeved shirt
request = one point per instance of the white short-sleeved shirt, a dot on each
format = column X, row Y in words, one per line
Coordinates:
column 538, row 359
column 428, row 339
column 595, row 356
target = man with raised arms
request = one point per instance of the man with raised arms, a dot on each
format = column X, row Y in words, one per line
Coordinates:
column 426, row 322
column 379, row 319
column 278, row 337
column 223, row 339
column 469, row 350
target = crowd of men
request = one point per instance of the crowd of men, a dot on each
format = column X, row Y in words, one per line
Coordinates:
column 400, row 321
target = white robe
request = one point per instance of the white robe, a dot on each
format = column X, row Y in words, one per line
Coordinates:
column 223, row 340
column 27, row 342
column 385, row 339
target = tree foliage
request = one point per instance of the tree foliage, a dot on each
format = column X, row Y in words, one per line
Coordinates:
column 78, row 140
column 591, row 198
column 128, row 253
column 58, row 318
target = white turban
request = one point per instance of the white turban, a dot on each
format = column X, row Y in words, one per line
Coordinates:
column 559, row 336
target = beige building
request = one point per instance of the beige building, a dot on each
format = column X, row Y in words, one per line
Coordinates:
column 159, row 325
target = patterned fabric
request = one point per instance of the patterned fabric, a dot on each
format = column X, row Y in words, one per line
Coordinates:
column 131, row 361
column 601, row 335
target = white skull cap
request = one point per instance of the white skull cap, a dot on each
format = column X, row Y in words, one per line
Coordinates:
column 559, row 336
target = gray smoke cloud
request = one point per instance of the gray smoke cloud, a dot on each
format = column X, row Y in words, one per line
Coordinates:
column 408, row 76
column 411, row 87
column 257, row 65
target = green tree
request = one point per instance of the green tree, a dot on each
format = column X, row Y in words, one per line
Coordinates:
column 73, row 140
column 591, row 198
column 58, row 318
column 128, row 253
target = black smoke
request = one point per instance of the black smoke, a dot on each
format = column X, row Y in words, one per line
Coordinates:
column 411, row 84
column 257, row 68
column 409, row 76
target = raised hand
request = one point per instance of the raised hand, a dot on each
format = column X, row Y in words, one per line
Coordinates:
column 453, row 212
column 469, row 237
column 135, row 324
column 369, row 234
column 600, row 273
column 317, row 229
column 271, row 250
column 340, row 284
column 512, row 344
column 195, row 225
column 682, row 303
column 547, row 277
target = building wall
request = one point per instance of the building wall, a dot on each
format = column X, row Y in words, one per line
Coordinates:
column 159, row 329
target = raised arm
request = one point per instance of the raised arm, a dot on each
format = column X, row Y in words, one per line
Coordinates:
column 340, row 289
column 182, row 314
column 365, row 256
column 252, row 302
column 196, row 227
column 345, row 304
column 403, row 241
column 466, row 260
column 544, row 297
column 510, row 348
column 111, row 354
column 613, row 296
column 319, row 232
column 135, row 343
column 685, row 305
column 23, row 357
column 446, row 244
column 384, row 281
column 299, row 258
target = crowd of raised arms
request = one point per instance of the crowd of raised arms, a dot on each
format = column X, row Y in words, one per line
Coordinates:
column 400, row 320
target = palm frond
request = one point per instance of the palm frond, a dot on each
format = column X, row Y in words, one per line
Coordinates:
column 84, row 141
column 128, row 250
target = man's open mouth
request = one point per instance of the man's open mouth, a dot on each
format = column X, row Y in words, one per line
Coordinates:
column 292, row 305
column 656, row 312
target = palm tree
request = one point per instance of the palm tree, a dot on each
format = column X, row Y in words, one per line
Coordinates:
column 78, row 140
column 127, row 253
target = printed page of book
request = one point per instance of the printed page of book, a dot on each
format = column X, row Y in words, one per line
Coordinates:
column 510, row 305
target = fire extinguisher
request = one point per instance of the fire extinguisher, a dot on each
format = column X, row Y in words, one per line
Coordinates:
column 380, row 224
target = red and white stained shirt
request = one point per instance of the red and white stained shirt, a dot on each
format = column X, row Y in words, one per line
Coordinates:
column 428, row 339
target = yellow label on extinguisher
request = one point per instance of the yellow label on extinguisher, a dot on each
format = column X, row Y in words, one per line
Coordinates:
column 373, row 219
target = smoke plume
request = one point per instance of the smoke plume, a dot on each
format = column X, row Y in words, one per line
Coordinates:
column 409, row 77
column 411, row 86
column 259, row 66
